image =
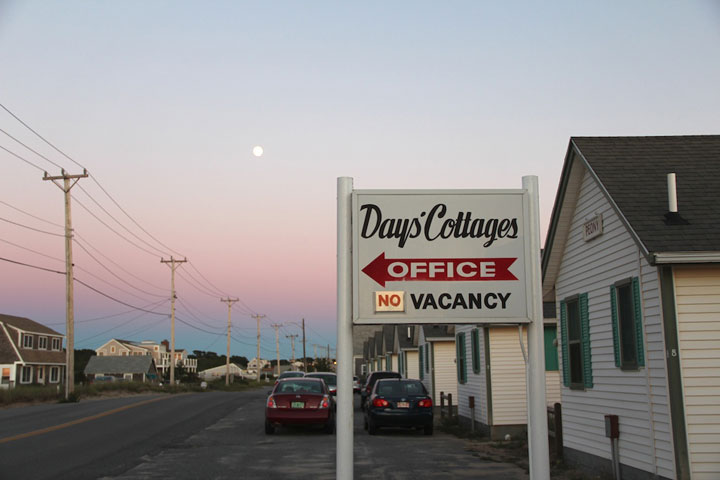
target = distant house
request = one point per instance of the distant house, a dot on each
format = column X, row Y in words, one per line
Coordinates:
column 219, row 372
column 637, row 286
column 160, row 352
column 436, row 348
column 139, row 368
column 30, row 353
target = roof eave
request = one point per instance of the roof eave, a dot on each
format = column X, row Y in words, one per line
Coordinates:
column 664, row 258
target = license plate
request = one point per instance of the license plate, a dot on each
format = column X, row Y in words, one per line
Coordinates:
column 297, row 405
column 403, row 404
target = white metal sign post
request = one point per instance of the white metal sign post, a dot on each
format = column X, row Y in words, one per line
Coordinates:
column 440, row 256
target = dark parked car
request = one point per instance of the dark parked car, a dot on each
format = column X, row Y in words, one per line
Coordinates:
column 329, row 378
column 399, row 403
column 370, row 383
column 299, row 401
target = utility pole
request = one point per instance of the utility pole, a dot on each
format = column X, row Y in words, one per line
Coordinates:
column 174, row 265
column 230, row 302
column 292, row 342
column 257, row 360
column 69, row 279
column 304, row 355
column 276, row 326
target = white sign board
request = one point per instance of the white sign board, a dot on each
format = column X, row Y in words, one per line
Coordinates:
column 450, row 255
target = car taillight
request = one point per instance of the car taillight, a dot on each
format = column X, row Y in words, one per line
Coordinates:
column 425, row 403
column 380, row 402
column 367, row 388
column 325, row 402
column 271, row 403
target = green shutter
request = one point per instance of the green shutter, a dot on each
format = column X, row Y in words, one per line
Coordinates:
column 637, row 303
column 475, row 339
column 420, row 360
column 551, row 352
column 585, row 334
column 427, row 357
column 615, row 326
column 564, row 338
column 461, row 360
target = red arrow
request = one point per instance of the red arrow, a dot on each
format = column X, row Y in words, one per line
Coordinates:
column 439, row 269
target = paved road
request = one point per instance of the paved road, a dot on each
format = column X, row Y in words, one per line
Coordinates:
column 219, row 436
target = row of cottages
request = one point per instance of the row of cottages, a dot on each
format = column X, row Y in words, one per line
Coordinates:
column 491, row 369
column 30, row 353
column 632, row 258
column 160, row 353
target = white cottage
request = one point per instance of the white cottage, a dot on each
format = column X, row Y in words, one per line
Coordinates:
column 491, row 369
column 436, row 351
column 637, row 285
column 406, row 344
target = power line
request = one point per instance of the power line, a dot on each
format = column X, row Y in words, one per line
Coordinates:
column 31, row 250
column 114, row 274
column 118, row 222
column 31, row 215
column 31, row 266
column 115, row 263
column 35, row 152
column 40, row 136
column 23, row 159
column 95, row 319
column 113, row 230
column 31, row 228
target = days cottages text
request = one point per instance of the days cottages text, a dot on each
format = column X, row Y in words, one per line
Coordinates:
column 461, row 226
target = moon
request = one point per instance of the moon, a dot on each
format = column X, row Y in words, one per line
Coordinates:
column 257, row 151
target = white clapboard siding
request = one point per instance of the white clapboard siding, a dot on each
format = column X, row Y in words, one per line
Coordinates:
column 553, row 382
column 507, row 376
column 445, row 370
column 639, row 398
column 697, row 291
column 476, row 385
column 412, row 364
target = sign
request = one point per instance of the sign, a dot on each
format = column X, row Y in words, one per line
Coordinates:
column 442, row 256
column 593, row 228
column 389, row 301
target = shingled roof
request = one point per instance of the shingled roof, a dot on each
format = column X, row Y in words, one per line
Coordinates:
column 633, row 171
column 119, row 364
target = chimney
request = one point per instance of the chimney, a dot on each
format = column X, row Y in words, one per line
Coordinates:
column 672, row 217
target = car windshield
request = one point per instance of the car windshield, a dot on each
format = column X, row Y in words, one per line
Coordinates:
column 390, row 388
column 291, row 374
column 299, row 386
column 329, row 378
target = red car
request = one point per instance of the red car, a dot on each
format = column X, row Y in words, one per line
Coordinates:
column 299, row 401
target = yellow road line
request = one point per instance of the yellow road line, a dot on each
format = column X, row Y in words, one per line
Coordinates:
column 79, row 420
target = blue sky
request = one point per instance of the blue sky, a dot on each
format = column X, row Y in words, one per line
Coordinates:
column 163, row 102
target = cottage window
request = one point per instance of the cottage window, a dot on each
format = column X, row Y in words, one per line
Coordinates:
column 27, row 341
column 575, row 329
column 26, row 374
column 475, row 349
column 388, row 362
column 54, row 374
column 461, row 358
column 56, row 343
column 42, row 343
column 627, row 324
